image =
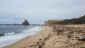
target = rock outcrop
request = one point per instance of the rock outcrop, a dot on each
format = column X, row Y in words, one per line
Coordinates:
column 25, row 22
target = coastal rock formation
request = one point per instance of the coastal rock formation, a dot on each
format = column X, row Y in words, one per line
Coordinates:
column 25, row 22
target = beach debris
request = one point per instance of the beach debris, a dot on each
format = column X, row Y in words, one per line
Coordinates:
column 67, row 37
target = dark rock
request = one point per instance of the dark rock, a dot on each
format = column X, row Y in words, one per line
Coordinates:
column 25, row 22
column 82, row 47
column 1, row 34
column 83, row 39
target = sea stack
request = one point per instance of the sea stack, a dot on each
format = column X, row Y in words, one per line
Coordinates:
column 25, row 22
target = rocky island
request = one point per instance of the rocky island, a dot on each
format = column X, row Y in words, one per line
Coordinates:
column 25, row 22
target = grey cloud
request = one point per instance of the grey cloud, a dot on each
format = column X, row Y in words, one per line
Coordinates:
column 37, row 11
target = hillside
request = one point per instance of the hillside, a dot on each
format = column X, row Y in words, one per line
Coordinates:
column 80, row 20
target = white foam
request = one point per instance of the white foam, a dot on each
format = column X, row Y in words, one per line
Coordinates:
column 12, row 38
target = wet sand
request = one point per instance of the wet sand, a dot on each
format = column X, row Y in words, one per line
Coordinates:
column 55, row 36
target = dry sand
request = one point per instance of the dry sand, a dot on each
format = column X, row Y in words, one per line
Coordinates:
column 56, row 36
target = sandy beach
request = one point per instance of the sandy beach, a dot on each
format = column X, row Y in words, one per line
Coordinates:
column 42, row 23
column 55, row 36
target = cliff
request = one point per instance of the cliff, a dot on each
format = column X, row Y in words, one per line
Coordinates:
column 80, row 20
column 52, row 21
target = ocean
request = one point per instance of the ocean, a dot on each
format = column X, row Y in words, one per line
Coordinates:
column 9, row 34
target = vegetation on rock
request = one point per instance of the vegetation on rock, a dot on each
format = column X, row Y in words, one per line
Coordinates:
column 80, row 20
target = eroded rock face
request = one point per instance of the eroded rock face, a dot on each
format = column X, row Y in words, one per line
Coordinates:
column 25, row 22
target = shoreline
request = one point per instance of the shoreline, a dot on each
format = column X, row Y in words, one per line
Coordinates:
column 55, row 36
column 14, row 45
column 27, row 37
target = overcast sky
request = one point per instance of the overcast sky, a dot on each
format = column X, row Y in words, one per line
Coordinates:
column 38, row 11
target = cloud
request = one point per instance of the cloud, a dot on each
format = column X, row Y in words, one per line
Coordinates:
column 38, row 11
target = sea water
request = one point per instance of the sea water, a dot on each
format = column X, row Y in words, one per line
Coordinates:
column 9, row 34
